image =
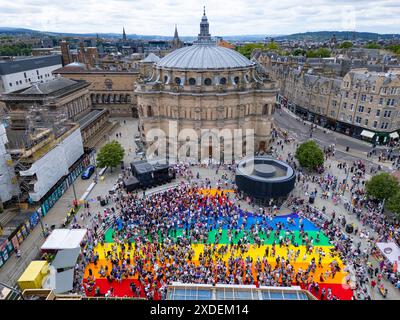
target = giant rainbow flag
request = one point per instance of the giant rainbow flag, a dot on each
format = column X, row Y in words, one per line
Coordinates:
column 321, row 251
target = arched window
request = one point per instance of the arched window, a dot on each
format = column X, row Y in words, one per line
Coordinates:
column 149, row 111
column 222, row 81
column 165, row 79
column 207, row 82
column 192, row 81
column 236, row 80
column 178, row 81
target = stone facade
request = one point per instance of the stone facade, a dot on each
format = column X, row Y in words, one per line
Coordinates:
column 360, row 100
column 93, row 127
column 245, row 106
column 54, row 104
column 109, row 90
column 198, row 96
column 371, row 100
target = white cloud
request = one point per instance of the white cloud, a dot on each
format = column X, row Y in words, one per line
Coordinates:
column 226, row 17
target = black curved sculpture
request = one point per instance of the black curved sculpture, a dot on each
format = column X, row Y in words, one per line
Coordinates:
column 265, row 178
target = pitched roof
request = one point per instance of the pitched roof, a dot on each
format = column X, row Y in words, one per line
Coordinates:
column 49, row 87
column 21, row 65
column 151, row 58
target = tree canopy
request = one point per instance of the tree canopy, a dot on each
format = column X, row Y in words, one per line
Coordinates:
column 110, row 155
column 346, row 45
column 393, row 204
column 273, row 46
column 372, row 45
column 382, row 186
column 319, row 53
column 310, row 155
column 299, row 52
column 395, row 48
column 248, row 48
column 19, row 49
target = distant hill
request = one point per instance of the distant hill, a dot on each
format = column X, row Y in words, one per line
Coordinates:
column 314, row 36
column 340, row 35
column 23, row 31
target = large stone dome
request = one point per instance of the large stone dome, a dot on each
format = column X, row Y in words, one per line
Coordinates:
column 203, row 56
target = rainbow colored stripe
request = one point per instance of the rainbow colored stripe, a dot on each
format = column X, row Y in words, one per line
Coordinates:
column 323, row 248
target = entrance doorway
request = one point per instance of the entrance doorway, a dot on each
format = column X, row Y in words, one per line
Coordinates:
column 261, row 146
column 135, row 113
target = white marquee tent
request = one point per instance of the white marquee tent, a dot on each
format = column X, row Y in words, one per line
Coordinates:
column 61, row 239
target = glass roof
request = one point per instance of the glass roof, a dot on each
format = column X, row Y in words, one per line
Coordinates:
column 232, row 292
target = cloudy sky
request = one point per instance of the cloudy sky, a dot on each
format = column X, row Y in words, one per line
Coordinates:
column 226, row 17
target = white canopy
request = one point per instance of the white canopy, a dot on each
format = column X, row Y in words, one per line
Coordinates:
column 368, row 134
column 61, row 239
column 394, row 135
column 390, row 250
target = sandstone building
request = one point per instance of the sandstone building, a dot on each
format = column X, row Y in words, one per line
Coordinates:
column 359, row 102
column 206, row 86
column 111, row 90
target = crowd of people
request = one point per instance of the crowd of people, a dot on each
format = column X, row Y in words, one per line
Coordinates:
column 160, row 257
column 347, row 188
column 147, row 247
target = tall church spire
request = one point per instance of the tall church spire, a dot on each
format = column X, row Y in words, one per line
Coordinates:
column 176, row 42
column 123, row 34
column 176, row 33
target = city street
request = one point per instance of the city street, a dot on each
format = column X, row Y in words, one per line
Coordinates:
column 358, row 149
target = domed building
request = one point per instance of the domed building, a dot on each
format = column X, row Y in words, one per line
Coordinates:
column 205, row 86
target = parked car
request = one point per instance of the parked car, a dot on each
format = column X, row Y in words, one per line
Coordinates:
column 87, row 173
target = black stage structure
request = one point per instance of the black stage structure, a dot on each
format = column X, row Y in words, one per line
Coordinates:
column 264, row 178
column 149, row 175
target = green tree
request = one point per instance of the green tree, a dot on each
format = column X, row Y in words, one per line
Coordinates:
column 393, row 204
column 382, row 186
column 299, row 52
column 319, row 53
column 110, row 155
column 248, row 48
column 346, row 45
column 19, row 49
column 395, row 48
column 273, row 46
column 372, row 45
column 310, row 155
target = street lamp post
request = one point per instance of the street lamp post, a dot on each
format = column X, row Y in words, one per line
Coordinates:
column 73, row 188
column 383, row 206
